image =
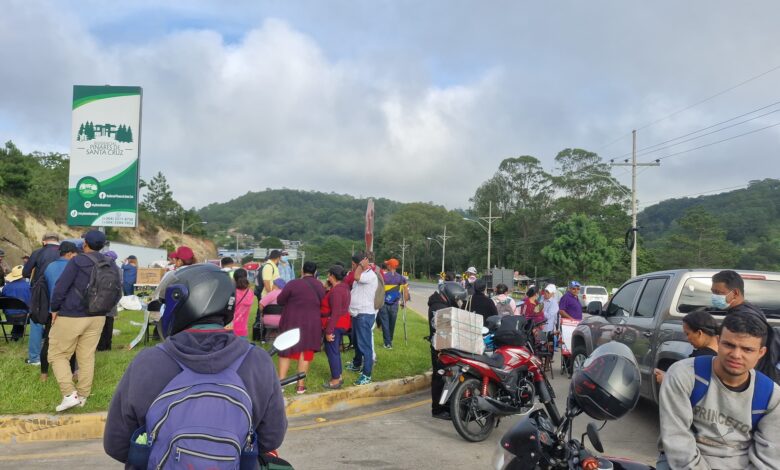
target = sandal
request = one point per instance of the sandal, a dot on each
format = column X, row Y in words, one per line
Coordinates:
column 331, row 386
column 301, row 390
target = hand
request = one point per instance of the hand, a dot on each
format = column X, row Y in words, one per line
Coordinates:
column 229, row 326
column 330, row 338
column 53, row 317
column 659, row 375
column 364, row 263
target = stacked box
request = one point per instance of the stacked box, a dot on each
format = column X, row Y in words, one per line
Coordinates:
column 149, row 276
column 458, row 329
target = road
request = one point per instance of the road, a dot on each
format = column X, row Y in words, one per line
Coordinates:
column 394, row 435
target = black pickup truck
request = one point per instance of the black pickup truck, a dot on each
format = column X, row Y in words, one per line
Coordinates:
column 646, row 314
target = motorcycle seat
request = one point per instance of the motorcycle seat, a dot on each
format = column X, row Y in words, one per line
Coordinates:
column 495, row 361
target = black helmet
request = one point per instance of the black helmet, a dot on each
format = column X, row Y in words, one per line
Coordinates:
column 452, row 291
column 195, row 292
column 607, row 386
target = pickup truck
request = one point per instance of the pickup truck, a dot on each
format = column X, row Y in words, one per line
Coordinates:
column 646, row 314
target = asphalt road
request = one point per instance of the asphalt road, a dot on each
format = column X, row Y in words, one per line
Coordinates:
column 398, row 434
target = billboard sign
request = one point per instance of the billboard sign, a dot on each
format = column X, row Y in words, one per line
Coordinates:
column 104, row 149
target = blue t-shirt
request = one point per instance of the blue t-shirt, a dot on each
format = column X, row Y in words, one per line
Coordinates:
column 53, row 272
column 129, row 273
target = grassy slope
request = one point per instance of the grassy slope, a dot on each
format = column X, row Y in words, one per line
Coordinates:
column 22, row 393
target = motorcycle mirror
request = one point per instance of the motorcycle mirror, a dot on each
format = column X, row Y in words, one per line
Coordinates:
column 593, row 436
column 286, row 340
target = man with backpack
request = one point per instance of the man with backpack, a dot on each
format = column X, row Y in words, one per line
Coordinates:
column 721, row 412
column 395, row 288
column 33, row 270
column 229, row 403
column 89, row 287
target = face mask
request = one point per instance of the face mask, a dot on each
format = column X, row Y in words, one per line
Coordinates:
column 719, row 301
column 284, row 258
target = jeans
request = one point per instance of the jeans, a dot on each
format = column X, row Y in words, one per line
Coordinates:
column 333, row 351
column 387, row 316
column 36, row 342
column 362, row 325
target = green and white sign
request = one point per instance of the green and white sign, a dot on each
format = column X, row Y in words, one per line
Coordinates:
column 105, row 138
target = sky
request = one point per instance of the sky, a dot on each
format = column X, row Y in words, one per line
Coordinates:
column 408, row 100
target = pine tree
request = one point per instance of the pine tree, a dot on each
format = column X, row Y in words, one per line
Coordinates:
column 81, row 132
column 128, row 134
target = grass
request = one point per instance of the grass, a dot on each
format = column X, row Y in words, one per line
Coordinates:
column 21, row 392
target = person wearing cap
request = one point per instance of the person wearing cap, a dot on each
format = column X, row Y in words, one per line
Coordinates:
column 72, row 328
column 183, row 256
column 470, row 280
column 570, row 304
column 129, row 275
column 18, row 287
column 269, row 272
column 551, row 308
column 396, row 292
column 68, row 251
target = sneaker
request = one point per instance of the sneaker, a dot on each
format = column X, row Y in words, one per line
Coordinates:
column 362, row 380
column 388, row 346
column 68, row 401
column 351, row 367
column 82, row 401
column 32, row 363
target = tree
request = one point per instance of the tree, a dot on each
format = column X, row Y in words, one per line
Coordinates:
column 579, row 250
column 697, row 241
column 158, row 201
column 271, row 242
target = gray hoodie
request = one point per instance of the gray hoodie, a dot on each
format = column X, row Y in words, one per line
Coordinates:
column 716, row 433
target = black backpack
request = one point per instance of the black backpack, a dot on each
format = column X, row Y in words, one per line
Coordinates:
column 39, row 301
column 512, row 331
column 105, row 286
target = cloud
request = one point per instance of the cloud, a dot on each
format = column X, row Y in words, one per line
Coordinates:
column 397, row 101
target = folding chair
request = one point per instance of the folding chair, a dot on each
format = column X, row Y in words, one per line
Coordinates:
column 12, row 303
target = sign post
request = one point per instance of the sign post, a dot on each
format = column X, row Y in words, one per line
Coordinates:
column 104, row 150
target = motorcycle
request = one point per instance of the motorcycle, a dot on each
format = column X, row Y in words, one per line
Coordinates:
column 543, row 439
column 481, row 389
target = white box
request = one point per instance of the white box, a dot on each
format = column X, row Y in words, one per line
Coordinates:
column 458, row 329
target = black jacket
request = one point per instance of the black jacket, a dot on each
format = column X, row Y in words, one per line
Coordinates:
column 435, row 302
column 481, row 304
column 38, row 261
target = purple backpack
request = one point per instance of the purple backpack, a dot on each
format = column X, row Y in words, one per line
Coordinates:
column 201, row 421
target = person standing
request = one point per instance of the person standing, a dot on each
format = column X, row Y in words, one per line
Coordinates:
column 107, row 333
column 73, row 330
column 470, row 280
column 244, row 299
column 395, row 292
column 269, row 272
column 335, row 323
column 569, row 304
column 129, row 275
column 505, row 304
column 286, row 271
column 481, row 303
column 68, row 251
column 550, row 309
column 301, row 299
column 363, row 313
column 721, row 412
column 34, row 268
column 448, row 294
column 18, row 287
column 532, row 309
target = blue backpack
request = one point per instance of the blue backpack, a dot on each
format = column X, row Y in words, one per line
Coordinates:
column 762, row 391
column 198, row 421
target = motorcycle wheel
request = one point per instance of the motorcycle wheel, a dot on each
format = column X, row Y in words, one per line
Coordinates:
column 472, row 424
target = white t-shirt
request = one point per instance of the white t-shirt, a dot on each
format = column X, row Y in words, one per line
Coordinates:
column 363, row 292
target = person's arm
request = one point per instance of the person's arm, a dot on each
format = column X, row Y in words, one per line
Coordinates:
column 30, row 264
column 272, row 427
column 121, row 421
column 359, row 270
column 765, row 453
column 337, row 307
column 676, row 416
column 63, row 285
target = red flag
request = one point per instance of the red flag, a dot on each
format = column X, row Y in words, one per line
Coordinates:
column 370, row 226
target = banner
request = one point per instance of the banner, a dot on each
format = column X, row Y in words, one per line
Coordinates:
column 105, row 142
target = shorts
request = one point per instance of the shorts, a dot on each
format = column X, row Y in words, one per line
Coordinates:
column 307, row 355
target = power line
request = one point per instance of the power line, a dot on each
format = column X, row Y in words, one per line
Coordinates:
column 708, row 127
column 719, row 141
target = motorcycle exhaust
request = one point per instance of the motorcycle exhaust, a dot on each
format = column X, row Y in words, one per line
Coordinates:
column 498, row 408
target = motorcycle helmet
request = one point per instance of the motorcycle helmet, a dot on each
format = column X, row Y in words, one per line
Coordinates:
column 528, row 445
column 452, row 292
column 607, row 385
column 492, row 323
column 195, row 292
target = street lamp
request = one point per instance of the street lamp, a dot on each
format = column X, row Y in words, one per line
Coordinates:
column 442, row 244
column 183, row 229
column 489, row 230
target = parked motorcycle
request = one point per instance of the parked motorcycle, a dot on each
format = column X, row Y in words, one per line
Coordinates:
column 481, row 389
column 606, row 388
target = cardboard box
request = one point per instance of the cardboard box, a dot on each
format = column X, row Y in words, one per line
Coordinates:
column 458, row 329
column 150, row 276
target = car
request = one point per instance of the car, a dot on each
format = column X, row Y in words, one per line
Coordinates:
column 646, row 314
column 593, row 293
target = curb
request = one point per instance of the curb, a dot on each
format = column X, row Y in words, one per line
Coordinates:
column 42, row 427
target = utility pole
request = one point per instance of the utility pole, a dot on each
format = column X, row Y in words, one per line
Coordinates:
column 489, row 219
column 633, row 165
column 403, row 254
column 444, row 238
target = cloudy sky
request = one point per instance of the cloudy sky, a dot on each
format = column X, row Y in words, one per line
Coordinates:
column 409, row 100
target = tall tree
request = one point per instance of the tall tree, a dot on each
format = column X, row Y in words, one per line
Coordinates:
column 579, row 250
column 158, row 201
column 697, row 241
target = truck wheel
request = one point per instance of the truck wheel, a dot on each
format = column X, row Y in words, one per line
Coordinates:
column 578, row 357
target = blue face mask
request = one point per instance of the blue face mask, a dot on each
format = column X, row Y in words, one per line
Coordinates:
column 719, row 301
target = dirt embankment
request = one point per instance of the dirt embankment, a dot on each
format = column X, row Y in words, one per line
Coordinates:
column 21, row 233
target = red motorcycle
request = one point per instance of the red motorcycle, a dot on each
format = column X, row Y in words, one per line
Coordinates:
column 484, row 388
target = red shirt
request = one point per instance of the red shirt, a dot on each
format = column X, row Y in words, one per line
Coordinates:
column 335, row 309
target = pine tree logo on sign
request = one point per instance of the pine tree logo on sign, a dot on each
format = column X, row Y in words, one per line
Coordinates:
column 90, row 131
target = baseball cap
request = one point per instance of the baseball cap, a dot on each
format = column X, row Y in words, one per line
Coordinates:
column 274, row 254
column 15, row 274
column 111, row 254
column 50, row 236
column 131, row 257
column 574, row 284
column 95, row 239
column 472, row 270
column 550, row 288
column 68, row 247
column 184, row 253
column 392, row 263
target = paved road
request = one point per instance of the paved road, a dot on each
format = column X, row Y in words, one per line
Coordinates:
column 395, row 435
